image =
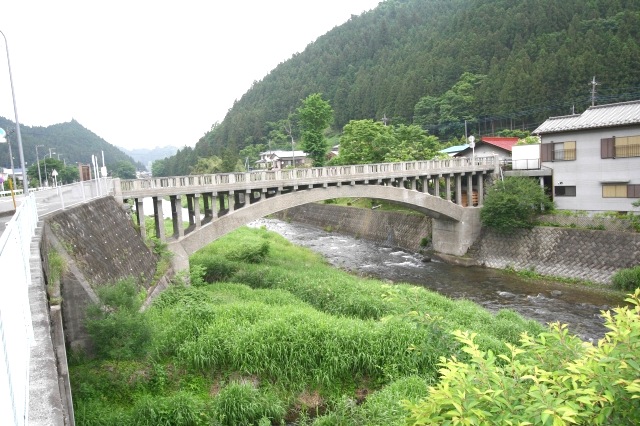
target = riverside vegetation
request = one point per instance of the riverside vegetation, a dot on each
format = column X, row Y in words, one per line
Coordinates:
column 268, row 333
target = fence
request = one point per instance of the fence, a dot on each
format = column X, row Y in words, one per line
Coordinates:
column 65, row 196
column 16, row 331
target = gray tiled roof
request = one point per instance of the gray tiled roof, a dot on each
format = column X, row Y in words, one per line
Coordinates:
column 611, row 115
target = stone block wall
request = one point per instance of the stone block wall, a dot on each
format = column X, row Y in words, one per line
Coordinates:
column 99, row 245
column 570, row 253
column 383, row 227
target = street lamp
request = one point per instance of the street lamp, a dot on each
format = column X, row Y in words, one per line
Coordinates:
column 38, row 159
column 4, row 137
column 25, row 182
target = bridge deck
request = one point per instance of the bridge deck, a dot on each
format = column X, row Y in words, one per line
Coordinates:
column 260, row 179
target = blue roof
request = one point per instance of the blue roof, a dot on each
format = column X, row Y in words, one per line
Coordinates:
column 454, row 149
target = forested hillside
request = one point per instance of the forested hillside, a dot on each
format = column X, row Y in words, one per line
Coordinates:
column 71, row 143
column 435, row 63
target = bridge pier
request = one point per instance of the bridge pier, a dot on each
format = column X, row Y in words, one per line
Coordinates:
column 158, row 218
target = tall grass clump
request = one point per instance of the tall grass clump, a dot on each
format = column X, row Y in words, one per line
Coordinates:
column 117, row 328
column 242, row 404
column 627, row 279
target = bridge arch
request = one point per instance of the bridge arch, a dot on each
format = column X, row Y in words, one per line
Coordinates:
column 452, row 233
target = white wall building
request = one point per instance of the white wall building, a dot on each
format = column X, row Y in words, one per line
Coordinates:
column 595, row 157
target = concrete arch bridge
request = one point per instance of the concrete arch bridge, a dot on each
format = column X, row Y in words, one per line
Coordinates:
column 231, row 200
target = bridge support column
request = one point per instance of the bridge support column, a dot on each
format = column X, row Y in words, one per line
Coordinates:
column 455, row 238
column 458, row 178
column 231, row 201
column 480, row 189
column 140, row 217
column 176, row 215
column 436, row 186
column 158, row 218
column 196, row 211
column 214, row 203
column 447, row 185
column 469, row 189
column 413, row 183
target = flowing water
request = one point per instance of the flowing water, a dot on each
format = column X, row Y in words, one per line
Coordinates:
column 577, row 307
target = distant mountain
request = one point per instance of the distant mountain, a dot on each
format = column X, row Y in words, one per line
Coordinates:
column 443, row 65
column 145, row 156
column 70, row 142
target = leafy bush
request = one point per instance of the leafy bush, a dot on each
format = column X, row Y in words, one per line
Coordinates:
column 513, row 204
column 117, row 328
column 551, row 379
column 627, row 279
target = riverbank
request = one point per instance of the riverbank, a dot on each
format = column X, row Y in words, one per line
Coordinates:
column 583, row 254
column 280, row 336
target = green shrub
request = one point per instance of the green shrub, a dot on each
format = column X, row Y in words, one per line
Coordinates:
column 627, row 279
column 513, row 204
column 241, row 404
column 117, row 328
column 216, row 267
column 249, row 252
column 551, row 379
column 180, row 409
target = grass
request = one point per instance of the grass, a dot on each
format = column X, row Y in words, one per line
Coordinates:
column 282, row 337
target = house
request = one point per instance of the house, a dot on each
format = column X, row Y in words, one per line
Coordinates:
column 277, row 160
column 490, row 145
column 594, row 156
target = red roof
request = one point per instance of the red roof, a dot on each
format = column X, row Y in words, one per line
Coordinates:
column 504, row 143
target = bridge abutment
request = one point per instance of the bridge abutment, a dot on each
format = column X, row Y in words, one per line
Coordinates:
column 455, row 237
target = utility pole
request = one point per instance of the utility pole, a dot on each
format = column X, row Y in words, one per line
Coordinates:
column 593, row 91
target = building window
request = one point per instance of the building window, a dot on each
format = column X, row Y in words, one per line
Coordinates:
column 620, row 147
column 558, row 151
column 564, row 151
column 565, row 191
column 620, row 191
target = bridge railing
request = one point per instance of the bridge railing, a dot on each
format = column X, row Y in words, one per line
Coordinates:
column 16, row 332
column 352, row 171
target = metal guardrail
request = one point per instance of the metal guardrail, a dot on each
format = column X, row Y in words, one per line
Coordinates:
column 333, row 173
column 16, row 332
column 65, row 196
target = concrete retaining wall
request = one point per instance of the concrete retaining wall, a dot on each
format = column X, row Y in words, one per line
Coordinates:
column 99, row 246
column 571, row 253
column 388, row 228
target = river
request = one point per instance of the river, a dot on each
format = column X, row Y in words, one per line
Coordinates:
column 575, row 306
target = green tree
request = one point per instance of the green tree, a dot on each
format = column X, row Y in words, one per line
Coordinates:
column 412, row 143
column 207, row 165
column 315, row 114
column 158, row 168
column 514, row 203
column 365, row 141
column 124, row 170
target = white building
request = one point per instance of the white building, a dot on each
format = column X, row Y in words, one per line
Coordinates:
column 595, row 157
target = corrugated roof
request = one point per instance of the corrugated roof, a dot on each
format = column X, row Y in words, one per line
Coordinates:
column 454, row 149
column 501, row 142
column 611, row 115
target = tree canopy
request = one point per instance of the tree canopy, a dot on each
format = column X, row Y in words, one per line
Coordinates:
column 315, row 115
column 514, row 203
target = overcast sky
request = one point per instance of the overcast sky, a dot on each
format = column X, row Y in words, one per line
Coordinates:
column 142, row 73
